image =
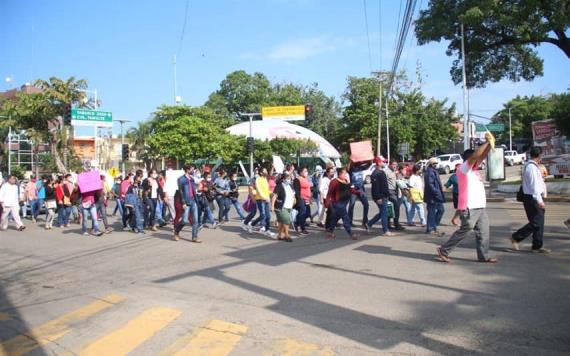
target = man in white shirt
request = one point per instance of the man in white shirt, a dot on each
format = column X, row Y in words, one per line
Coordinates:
column 10, row 200
column 471, row 205
column 324, row 190
column 534, row 190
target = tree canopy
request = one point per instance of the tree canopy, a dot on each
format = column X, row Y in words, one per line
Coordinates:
column 500, row 36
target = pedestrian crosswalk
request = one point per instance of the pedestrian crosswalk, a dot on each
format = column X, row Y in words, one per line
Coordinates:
column 213, row 337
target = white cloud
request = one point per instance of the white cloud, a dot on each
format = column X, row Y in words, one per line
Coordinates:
column 300, row 49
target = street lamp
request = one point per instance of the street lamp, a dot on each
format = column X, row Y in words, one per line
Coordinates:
column 122, row 122
column 250, row 115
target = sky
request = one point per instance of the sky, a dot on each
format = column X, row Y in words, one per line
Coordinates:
column 125, row 49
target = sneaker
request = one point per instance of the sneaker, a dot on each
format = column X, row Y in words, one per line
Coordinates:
column 262, row 230
column 542, row 250
column 153, row 228
column 215, row 225
column 97, row 233
column 270, row 234
column 442, row 256
column 176, row 238
column 196, row 241
column 33, row 220
column 245, row 227
column 516, row 244
column 249, row 228
column 85, row 233
column 389, row 234
column 304, row 232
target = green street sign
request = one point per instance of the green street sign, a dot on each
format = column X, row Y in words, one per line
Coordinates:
column 496, row 127
column 490, row 127
column 83, row 117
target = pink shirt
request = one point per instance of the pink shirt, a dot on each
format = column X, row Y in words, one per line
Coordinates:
column 305, row 189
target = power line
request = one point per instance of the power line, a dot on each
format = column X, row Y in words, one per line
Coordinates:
column 183, row 28
column 367, row 35
column 405, row 28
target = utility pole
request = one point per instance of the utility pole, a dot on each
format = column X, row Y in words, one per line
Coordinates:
column 378, row 150
column 466, row 125
column 510, row 131
column 122, row 122
column 387, row 132
column 250, row 115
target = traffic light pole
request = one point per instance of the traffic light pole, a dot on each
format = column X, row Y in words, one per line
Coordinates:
column 122, row 122
column 250, row 115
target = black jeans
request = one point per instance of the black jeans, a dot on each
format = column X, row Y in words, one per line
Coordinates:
column 535, row 226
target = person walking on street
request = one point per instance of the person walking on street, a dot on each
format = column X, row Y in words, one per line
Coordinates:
column 205, row 197
column 323, row 192
column 357, row 181
column 10, row 202
column 50, row 202
column 89, row 208
column 452, row 182
column 302, row 185
column 380, row 195
column 534, row 192
column 338, row 197
column 66, row 203
column 434, row 198
column 187, row 189
column 222, row 192
column 416, row 184
column 282, row 202
column 234, row 196
column 395, row 198
column 32, row 196
column 251, row 191
column 101, row 201
column 471, row 205
column 262, row 200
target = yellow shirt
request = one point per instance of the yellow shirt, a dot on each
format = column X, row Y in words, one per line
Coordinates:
column 261, row 189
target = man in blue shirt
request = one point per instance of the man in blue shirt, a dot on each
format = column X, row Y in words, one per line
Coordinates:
column 187, row 192
column 433, row 196
column 357, row 181
column 41, row 191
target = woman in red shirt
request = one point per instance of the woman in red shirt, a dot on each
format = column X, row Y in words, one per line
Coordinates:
column 303, row 195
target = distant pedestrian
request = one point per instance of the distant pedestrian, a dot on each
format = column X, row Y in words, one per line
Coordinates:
column 326, row 212
column 50, row 199
column 357, row 181
column 303, row 185
column 338, row 197
column 471, row 205
column 416, row 190
column 534, row 192
column 393, row 175
column 434, row 198
column 263, row 201
column 282, row 202
column 234, row 196
column 381, row 196
column 10, row 202
column 187, row 188
column 222, row 193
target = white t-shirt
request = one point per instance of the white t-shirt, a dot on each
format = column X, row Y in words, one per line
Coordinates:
column 154, row 189
column 416, row 182
column 289, row 197
column 471, row 189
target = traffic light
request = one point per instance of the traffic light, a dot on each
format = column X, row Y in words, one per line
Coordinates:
column 67, row 114
column 308, row 112
column 249, row 145
column 125, row 152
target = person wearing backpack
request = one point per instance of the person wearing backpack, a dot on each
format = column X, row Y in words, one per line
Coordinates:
column 533, row 194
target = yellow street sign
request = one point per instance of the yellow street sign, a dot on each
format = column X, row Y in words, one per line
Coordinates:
column 289, row 113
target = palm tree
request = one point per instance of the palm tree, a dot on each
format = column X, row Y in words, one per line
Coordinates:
column 138, row 136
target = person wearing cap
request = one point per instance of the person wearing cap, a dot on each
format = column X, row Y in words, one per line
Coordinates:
column 381, row 196
column 433, row 197
column 471, row 205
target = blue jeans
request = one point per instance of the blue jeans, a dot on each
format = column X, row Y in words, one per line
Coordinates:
column 238, row 208
column 36, row 206
column 364, row 200
column 434, row 215
column 91, row 211
column 382, row 214
column 340, row 212
column 189, row 209
column 63, row 215
column 304, row 213
column 205, row 214
column 419, row 207
column 407, row 207
column 118, row 206
column 264, row 218
column 158, row 209
column 223, row 207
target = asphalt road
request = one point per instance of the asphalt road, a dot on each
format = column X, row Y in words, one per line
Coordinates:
column 63, row 293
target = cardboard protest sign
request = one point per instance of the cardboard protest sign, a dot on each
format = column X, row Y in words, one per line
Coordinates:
column 89, row 181
column 171, row 184
column 278, row 164
column 361, row 151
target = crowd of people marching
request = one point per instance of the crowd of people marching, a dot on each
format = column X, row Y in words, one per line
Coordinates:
column 278, row 201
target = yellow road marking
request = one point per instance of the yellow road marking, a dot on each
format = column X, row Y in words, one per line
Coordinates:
column 217, row 338
column 132, row 334
column 290, row 347
column 4, row 316
column 55, row 329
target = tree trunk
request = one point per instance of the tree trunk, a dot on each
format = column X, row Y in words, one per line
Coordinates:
column 57, row 157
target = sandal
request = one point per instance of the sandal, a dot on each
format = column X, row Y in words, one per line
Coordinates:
column 490, row 260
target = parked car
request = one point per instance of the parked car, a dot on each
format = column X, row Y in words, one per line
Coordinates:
column 366, row 173
column 422, row 163
column 513, row 157
column 446, row 163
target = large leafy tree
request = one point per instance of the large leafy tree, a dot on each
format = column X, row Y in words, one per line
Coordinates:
column 240, row 92
column 561, row 112
column 500, row 36
column 524, row 110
